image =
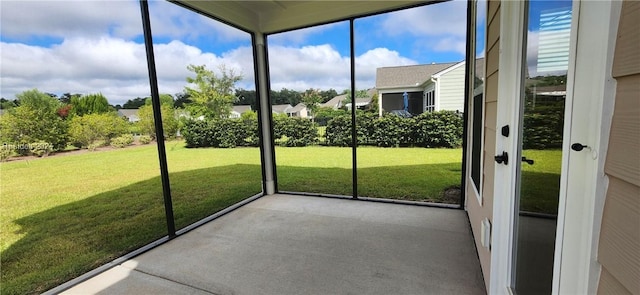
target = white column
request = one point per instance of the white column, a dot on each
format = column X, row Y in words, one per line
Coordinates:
column 265, row 109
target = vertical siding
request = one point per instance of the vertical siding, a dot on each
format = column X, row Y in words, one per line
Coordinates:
column 479, row 211
column 619, row 247
column 452, row 90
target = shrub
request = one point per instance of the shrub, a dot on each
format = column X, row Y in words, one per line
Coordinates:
column 438, row 129
column 338, row 132
column 224, row 133
column 6, row 151
column 542, row 127
column 144, row 139
column 392, row 131
column 35, row 120
column 147, row 126
column 294, row 131
column 122, row 141
column 40, row 149
column 96, row 144
column 88, row 129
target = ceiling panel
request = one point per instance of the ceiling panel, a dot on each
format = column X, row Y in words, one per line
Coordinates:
column 270, row 16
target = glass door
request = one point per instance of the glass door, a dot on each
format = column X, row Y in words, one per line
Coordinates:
column 542, row 121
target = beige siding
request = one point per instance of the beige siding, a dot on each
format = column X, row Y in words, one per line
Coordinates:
column 478, row 212
column 619, row 248
column 451, row 96
column 609, row 285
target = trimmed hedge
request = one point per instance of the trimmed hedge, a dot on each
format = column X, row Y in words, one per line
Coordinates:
column 294, row 131
column 223, row 133
column 437, row 129
column 543, row 127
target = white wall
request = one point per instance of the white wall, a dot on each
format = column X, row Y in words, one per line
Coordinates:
column 450, row 90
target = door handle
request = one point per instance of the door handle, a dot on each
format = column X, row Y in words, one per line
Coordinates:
column 503, row 158
column 528, row 161
column 578, row 147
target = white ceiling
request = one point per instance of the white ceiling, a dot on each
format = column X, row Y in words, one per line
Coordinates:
column 271, row 16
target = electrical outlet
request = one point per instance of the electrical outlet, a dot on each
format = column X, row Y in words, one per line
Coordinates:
column 485, row 233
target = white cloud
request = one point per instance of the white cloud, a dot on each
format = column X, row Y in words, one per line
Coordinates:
column 532, row 53
column 117, row 68
column 323, row 67
column 440, row 19
column 112, row 66
column 70, row 18
column 451, row 44
column 66, row 19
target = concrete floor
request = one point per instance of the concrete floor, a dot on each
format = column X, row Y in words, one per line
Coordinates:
column 285, row 244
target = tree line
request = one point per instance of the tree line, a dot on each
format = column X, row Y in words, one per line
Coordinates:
column 41, row 119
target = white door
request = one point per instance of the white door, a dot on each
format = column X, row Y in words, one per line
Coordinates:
column 546, row 209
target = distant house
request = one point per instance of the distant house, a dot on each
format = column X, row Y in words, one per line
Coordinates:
column 300, row 110
column 130, row 114
column 339, row 101
column 431, row 87
column 280, row 108
column 237, row 111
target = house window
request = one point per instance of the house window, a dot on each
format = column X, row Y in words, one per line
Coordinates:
column 430, row 101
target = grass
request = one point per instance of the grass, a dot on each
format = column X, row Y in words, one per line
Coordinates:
column 541, row 181
column 64, row 215
column 399, row 173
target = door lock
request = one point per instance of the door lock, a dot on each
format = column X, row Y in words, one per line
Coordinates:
column 503, row 158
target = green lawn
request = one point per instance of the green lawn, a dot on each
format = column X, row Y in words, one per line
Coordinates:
column 64, row 215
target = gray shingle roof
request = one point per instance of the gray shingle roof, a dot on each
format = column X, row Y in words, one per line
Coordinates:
column 297, row 108
column 128, row 112
column 338, row 101
column 408, row 76
column 280, row 108
column 335, row 102
column 242, row 109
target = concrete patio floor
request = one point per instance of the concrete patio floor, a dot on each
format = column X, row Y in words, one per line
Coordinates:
column 284, row 244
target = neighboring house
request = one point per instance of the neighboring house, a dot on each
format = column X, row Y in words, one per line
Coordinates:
column 130, row 114
column 281, row 108
column 334, row 103
column 300, row 110
column 431, row 87
column 237, row 111
column 339, row 101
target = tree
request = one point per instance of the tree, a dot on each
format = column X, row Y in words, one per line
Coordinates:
column 35, row 120
column 327, row 95
column 212, row 95
column 147, row 125
column 66, row 97
column 182, row 99
column 89, row 130
column 247, row 97
column 6, row 104
column 90, row 104
column 311, row 100
column 134, row 103
column 165, row 99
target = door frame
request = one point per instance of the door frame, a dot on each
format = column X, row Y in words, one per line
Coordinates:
column 587, row 120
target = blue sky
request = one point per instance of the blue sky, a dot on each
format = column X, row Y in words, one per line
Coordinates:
column 97, row 46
